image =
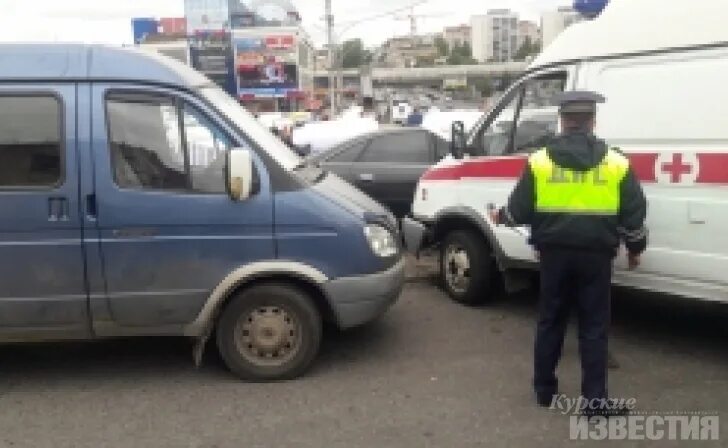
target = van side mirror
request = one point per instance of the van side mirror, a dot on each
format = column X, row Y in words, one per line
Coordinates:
column 457, row 139
column 239, row 170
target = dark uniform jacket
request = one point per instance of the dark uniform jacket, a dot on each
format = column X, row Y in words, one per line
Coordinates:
column 580, row 152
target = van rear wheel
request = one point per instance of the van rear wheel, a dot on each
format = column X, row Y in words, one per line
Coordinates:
column 467, row 268
column 269, row 332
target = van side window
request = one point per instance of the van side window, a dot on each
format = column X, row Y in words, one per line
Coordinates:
column 152, row 148
column 531, row 107
column 206, row 146
column 30, row 141
column 146, row 143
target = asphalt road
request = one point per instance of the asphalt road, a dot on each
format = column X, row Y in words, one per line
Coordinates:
column 429, row 373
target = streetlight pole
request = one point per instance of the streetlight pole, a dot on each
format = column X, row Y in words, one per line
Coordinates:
column 332, row 57
column 336, row 58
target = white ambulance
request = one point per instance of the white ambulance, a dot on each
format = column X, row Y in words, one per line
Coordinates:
column 663, row 67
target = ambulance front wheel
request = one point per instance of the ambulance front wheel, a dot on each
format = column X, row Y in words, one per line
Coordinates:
column 468, row 270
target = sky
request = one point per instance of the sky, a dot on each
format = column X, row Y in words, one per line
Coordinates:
column 109, row 21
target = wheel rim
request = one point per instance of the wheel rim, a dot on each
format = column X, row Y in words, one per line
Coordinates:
column 457, row 268
column 268, row 336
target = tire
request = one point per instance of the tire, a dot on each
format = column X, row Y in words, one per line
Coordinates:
column 464, row 255
column 269, row 332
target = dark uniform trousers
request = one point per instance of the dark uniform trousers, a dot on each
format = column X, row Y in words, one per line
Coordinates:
column 581, row 278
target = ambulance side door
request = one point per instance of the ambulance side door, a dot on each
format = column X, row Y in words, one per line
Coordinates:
column 666, row 112
column 524, row 119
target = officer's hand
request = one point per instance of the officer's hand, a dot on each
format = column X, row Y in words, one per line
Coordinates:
column 633, row 260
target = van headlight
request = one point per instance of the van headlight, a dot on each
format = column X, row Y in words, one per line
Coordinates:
column 381, row 240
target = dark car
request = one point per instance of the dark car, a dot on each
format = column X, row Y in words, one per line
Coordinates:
column 385, row 164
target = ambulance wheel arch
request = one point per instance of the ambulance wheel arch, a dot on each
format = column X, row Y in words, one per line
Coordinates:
column 470, row 258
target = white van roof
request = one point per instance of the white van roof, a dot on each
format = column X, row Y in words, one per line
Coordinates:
column 630, row 26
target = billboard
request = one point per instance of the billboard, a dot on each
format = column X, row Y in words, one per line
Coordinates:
column 213, row 56
column 590, row 8
column 147, row 28
column 266, row 66
column 143, row 27
column 208, row 26
column 172, row 26
column 207, row 15
column 262, row 13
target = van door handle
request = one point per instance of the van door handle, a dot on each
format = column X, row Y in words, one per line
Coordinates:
column 91, row 212
column 57, row 209
column 366, row 177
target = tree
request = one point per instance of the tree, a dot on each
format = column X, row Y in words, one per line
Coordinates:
column 484, row 86
column 443, row 49
column 536, row 47
column 353, row 54
column 425, row 61
column 461, row 55
column 528, row 48
column 467, row 51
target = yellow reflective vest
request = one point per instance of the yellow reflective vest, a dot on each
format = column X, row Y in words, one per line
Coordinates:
column 592, row 192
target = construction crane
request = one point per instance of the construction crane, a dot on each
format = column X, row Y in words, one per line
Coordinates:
column 412, row 18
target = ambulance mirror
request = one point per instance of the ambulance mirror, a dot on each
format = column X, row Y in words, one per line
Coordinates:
column 457, row 139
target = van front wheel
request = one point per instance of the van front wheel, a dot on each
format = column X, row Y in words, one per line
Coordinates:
column 269, row 332
column 467, row 268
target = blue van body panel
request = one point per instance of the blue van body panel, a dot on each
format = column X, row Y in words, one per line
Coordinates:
column 41, row 259
column 79, row 62
column 165, row 251
column 95, row 282
column 120, row 261
column 313, row 230
column 37, row 61
column 125, row 64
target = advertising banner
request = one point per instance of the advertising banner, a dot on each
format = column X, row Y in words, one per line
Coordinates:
column 208, row 29
column 266, row 66
column 173, row 26
column 143, row 27
column 206, row 15
column 262, row 13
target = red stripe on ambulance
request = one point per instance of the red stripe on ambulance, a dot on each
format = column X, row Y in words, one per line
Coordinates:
column 670, row 168
column 644, row 166
column 492, row 168
column 713, row 169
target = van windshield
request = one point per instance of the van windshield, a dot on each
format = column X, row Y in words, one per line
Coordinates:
column 247, row 123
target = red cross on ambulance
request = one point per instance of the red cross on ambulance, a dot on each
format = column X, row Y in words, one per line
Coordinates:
column 677, row 168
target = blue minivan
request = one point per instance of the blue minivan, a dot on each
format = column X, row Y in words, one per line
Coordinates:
column 138, row 198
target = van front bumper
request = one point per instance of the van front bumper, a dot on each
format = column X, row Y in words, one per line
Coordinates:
column 361, row 299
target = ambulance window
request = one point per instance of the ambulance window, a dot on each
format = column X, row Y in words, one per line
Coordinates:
column 495, row 139
column 532, row 107
column 538, row 115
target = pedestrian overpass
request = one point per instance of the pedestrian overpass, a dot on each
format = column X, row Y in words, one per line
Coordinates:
column 417, row 76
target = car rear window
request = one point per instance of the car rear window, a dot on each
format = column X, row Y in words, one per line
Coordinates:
column 404, row 147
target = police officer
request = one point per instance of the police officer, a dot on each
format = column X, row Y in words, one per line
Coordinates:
column 581, row 200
